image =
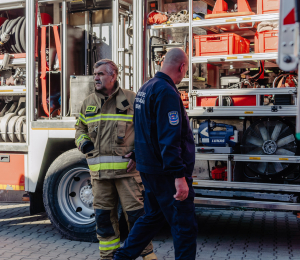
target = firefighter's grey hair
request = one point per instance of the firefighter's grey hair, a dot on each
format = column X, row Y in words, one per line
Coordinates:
column 111, row 69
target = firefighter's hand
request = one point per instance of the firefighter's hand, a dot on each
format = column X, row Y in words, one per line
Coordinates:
column 131, row 165
column 182, row 189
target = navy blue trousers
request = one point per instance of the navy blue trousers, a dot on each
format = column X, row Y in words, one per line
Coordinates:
column 160, row 206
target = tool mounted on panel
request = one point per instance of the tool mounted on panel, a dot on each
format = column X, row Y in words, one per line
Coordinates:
column 158, row 48
column 216, row 141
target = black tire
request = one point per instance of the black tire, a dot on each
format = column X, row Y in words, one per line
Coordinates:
column 67, row 198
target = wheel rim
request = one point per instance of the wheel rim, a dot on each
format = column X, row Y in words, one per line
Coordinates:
column 75, row 196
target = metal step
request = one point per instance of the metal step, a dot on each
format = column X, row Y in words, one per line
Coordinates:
column 246, row 186
column 247, row 203
column 247, row 194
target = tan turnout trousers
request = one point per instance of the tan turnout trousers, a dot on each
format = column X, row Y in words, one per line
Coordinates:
column 106, row 198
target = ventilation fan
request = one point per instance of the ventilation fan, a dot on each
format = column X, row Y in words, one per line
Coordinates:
column 270, row 136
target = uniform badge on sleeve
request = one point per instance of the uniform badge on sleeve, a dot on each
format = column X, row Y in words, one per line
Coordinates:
column 173, row 118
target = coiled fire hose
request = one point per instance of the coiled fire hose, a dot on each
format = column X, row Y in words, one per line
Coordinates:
column 13, row 35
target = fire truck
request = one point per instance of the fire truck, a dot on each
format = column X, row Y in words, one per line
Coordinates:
column 242, row 105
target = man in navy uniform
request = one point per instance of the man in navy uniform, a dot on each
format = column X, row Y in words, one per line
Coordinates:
column 165, row 157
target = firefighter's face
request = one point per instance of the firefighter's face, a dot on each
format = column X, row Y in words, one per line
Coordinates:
column 104, row 81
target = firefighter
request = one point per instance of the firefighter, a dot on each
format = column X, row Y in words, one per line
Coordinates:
column 105, row 134
column 165, row 157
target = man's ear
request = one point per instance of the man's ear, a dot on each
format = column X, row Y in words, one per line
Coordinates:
column 114, row 77
column 181, row 67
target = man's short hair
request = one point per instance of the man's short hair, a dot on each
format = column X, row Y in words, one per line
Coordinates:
column 111, row 69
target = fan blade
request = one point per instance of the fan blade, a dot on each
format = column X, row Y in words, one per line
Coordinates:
column 278, row 166
column 262, row 167
column 257, row 151
column 264, row 133
column 254, row 140
column 282, row 151
column 286, row 140
column 276, row 131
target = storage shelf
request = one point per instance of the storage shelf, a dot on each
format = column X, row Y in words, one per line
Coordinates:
column 185, row 80
column 219, row 21
column 238, row 111
column 13, row 90
column 245, row 185
column 266, row 158
column 15, row 4
column 248, row 157
column 245, row 57
column 235, row 20
column 259, row 110
column 243, row 91
column 271, row 205
column 168, row 26
column 13, row 147
column 15, row 59
column 11, row 4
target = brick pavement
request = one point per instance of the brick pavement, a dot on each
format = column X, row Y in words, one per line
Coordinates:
column 223, row 234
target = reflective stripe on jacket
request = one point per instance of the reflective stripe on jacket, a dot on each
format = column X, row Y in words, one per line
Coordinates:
column 109, row 125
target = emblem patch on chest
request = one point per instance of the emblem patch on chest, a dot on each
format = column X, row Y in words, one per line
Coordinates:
column 173, row 118
column 91, row 109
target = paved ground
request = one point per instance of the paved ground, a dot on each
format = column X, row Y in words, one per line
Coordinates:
column 224, row 234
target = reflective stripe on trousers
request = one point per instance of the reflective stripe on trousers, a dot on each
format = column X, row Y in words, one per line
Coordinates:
column 107, row 163
column 109, row 245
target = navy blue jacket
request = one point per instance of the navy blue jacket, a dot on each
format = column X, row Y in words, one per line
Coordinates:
column 164, row 142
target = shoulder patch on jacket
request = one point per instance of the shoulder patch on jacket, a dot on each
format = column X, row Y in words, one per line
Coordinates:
column 173, row 118
column 91, row 109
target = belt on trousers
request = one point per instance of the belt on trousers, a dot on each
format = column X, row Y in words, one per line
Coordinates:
column 101, row 163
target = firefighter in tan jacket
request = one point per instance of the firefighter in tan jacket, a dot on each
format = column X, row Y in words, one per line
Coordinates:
column 105, row 133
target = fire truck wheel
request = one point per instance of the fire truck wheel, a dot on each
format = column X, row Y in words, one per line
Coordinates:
column 68, row 198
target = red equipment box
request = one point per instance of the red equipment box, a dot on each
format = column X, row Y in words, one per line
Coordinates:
column 219, row 173
column 242, row 101
column 266, row 41
column 221, row 44
column 267, row 6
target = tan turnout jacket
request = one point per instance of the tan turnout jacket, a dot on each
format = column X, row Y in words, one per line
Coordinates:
column 110, row 128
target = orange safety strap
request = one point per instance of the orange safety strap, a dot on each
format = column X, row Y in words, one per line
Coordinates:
column 58, row 45
column 43, row 70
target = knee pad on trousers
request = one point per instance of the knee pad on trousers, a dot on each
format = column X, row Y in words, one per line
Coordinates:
column 103, row 222
column 134, row 215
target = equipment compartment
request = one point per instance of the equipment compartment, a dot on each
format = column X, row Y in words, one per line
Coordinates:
column 12, row 171
column 221, row 44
